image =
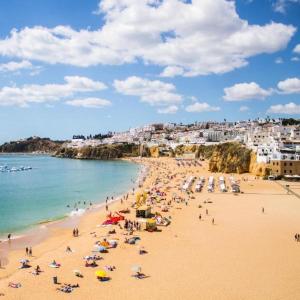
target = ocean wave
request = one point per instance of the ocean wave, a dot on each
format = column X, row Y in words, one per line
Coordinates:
column 77, row 212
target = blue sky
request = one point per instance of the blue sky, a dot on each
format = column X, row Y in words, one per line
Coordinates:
column 79, row 67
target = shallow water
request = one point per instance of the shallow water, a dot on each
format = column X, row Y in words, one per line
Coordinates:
column 43, row 193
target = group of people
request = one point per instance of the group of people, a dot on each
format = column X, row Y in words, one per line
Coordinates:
column 28, row 251
column 297, row 237
column 132, row 225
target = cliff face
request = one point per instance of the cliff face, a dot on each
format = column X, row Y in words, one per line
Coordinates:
column 103, row 152
column 258, row 169
column 227, row 157
column 230, row 158
column 31, row 145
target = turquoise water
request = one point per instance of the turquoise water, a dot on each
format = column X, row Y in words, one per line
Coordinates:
column 43, row 193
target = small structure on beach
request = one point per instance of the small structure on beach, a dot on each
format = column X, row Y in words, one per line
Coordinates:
column 151, row 225
column 143, row 211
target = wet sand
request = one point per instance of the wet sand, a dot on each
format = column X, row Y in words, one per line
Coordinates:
column 247, row 254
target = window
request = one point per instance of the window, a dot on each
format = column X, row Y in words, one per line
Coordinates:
column 273, row 164
column 284, row 164
column 291, row 171
column 284, row 171
column 277, row 164
column 291, row 164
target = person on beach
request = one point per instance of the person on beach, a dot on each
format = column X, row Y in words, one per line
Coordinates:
column 200, row 217
column 263, row 210
column 37, row 269
column 77, row 232
column 26, row 250
column 30, row 251
column 207, row 211
column 106, row 207
column 74, row 232
column 213, row 221
column 9, row 236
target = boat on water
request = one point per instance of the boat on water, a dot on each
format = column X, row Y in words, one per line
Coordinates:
column 7, row 169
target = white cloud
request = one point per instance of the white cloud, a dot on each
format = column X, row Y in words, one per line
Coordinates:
column 89, row 102
column 281, row 5
column 244, row 108
column 153, row 92
column 278, row 60
column 193, row 98
column 290, row 109
column 295, row 58
column 201, row 37
column 172, row 71
column 245, row 91
column 297, row 49
column 289, row 86
column 16, row 66
column 13, row 66
column 172, row 109
column 35, row 93
column 201, row 107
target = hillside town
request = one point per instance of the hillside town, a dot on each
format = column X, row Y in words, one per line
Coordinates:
column 276, row 142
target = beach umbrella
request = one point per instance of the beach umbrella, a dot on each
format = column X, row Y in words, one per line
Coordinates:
column 136, row 269
column 100, row 273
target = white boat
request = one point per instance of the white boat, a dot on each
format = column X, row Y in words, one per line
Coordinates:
column 200, row 184
column 188, row 183
column 211, row 184
column 222, row 184
column 235, row 188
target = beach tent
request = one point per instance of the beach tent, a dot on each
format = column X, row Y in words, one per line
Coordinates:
column 143, row 212
column 100, row 273
column 151, row 225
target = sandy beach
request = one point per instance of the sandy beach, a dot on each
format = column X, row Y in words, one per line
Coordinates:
column 245, row 254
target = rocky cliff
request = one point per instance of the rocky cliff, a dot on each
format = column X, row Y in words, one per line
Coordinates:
column 104, row 152
column 230, row 158
column 258, row 169
column 30, row 145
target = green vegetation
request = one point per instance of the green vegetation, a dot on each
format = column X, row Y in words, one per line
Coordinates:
column 32, row 144
column 290, row 121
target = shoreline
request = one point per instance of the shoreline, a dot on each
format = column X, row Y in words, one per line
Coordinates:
column 41, row 230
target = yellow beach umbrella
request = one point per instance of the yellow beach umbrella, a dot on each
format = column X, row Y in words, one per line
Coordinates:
column 100, row 273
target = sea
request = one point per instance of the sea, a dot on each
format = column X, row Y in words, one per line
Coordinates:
column 56, row 188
